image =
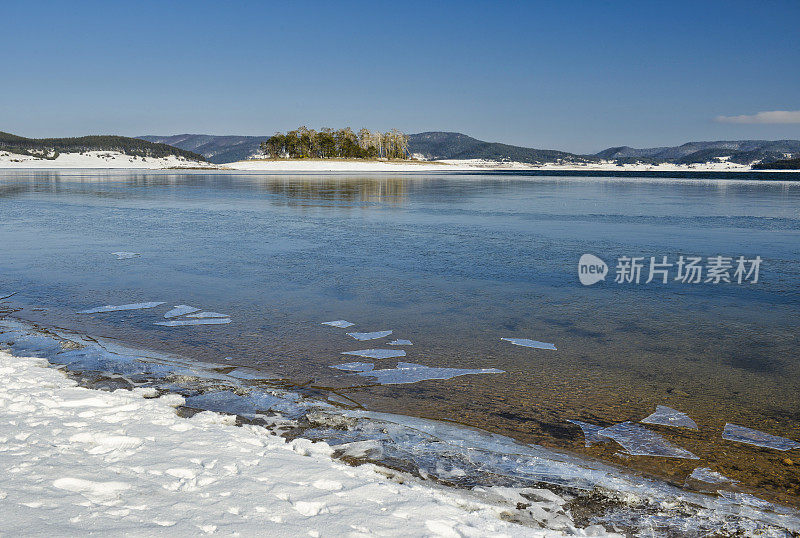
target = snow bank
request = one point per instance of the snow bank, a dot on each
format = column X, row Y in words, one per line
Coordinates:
column 97, row 159
column 78, row 460
column 465, row 165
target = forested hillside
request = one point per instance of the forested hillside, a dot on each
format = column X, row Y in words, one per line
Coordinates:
column 50, row 148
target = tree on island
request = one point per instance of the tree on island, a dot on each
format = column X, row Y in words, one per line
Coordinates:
column 305, row 143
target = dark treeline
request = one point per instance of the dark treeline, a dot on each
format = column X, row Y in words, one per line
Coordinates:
column 50, row 148
column 337, row 144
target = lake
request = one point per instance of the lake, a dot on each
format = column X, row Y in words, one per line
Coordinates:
column 452, row 263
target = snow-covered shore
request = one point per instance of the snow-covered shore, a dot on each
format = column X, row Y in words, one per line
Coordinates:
column 116, row 160
column 96, row 159
column 78, row 460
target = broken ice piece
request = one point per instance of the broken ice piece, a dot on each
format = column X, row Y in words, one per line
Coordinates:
column 740, row 434
column 400, row 343
column 529, row 343
column 208, row 315
column 408, row 372
column 341, row 323
column 180, row 310
column 377, row 353
column 115, row 308
column 639, row 441
column 666, row 416
column 181, row 322
column 370, row 336
column 355, row 366
column 590, row 435
column 126, row 255
column 704, row 474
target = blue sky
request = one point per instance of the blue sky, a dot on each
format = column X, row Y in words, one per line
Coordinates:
column 577, row 76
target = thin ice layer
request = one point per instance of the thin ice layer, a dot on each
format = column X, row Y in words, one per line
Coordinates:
column 407, row 372
column 341, row 323
column 116, row 308
column 377, row 353
column 704, row 474
column 355, row 366
column 590, row 432
column 400, row 343
column 229, row 402
column 639, row 441
column 181, row 322
column 180, row 310
column 529, row 343
column 369, row 336
column 740, row 434
column 126, row 255
column 203, row 315
column 666, row 416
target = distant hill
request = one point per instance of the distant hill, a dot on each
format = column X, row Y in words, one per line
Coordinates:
column 49, row 148
column 444, row 145
column 217, row 149
column 448, row 145
column 737, row 151
column 783, row 164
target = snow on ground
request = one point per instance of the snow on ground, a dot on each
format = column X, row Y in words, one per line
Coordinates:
column 463, row 165
column 77, row 460
column 112, row 159
column 96, row 159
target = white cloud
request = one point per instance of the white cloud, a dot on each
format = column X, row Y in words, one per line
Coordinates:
column 771, row 116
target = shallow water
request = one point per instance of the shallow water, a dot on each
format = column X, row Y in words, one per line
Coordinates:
column 453, row 263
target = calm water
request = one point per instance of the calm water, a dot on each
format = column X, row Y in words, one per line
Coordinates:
column 452, row 263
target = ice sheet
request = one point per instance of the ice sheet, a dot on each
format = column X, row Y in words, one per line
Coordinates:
column 377, row 353
column 370, row 336
column 666, row 416
column 639, row 441
column 341, row 323
column 126, row 255
column 529, row 343
column 355, row 366
column 181, row 322
column 230, row 402
column 408, row 372
column 203, row 315
column 116, row 308
column 704, row 474
column 180, row 310
column 590, row 432
column 400, row 343
column 740, row 434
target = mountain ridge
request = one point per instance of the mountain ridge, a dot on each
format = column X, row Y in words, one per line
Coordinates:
column 438, row 145
column 50, row 148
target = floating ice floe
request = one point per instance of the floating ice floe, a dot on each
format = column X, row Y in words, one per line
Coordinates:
column 639, row 441
column 116, row 308
column 704, row 474
column 590, row 432
column 529, row 343
column 666, row 416
column 206, row 321
column 126, row 255
column 377, row 353
column 355, row 366
column 370, row 336
column 341, row 323
column 400, row 343
column 180, row 310
column 408, row 372
column 740, row 434
column 203, row 315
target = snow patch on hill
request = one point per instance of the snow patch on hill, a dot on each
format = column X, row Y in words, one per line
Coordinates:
column 97, row 159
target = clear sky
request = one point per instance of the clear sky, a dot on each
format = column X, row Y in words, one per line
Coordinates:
column 576, row 76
